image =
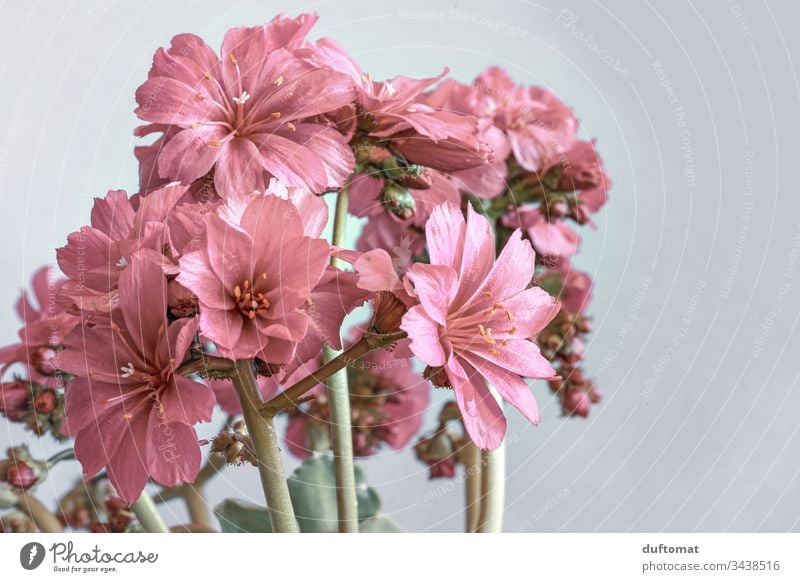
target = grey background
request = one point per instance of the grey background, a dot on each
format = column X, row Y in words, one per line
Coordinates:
column 696, row 301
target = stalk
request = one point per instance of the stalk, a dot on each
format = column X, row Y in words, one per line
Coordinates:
column 472, row 484
column 265, row 442
column 493, row 485
column 339, row 401
column 145, row 510
column 39, row 514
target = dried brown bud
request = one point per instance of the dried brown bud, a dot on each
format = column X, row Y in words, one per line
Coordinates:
column 415, row 177
column 437, row 376
column 388, row 312
column 181, row 301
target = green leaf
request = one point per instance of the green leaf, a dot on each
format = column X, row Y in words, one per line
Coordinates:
column 379, row 524
column 236, row 516
column 313, row 490
column 369, row 502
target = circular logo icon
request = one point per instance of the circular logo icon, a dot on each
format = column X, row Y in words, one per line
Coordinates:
column 31, row 555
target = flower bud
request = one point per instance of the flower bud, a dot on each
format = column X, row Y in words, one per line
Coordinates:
column 594, row 394
column 46, row 401
column 21, row 476
column 583, row 176
column 181, row 301
column 14, row 399
column 388, row 312
column 575, row 403
column 44, row 360
column 399, row 201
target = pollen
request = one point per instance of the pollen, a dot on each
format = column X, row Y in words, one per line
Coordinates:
column 237, row 291
column 279, row 81
column 486, row 334
column 411, row 110
column 215, row 143
column 276, row 115
column 199, row 96
column 494, row 352
column 487, row 294
column 291, row 126
column 207, row 75
column 233, row 59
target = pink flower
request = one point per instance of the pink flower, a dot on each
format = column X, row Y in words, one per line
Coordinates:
column 549, row 238
column 488, row 179
column 253, row 280
column 94, row 257
column 394, row 111
column 540, row 128
column 46, row 327
column 475, row 317
column 247, row 113
column 126, row 408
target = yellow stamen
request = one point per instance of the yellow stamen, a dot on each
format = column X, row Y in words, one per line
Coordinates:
column 487, row 294
column 494, row 352
column 237, row 292
column 279, row 81
column 207, row 75
column 215, row 143
column 291, row 126
column 251, row 314
column 233, row 59
column 199, row 96
column 276, row 115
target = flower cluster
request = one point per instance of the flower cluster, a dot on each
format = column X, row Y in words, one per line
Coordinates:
column 220, row 258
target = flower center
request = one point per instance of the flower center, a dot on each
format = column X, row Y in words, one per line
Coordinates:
column 251, row 301
column 493, row 326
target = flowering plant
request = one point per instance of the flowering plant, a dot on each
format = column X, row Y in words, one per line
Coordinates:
column 213, row 287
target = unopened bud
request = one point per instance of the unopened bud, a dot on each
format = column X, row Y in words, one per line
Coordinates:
column 21, row 476
column 399, row 201
column 46, row 401
column 576, row 403
column 14, row 399
column 44, row 360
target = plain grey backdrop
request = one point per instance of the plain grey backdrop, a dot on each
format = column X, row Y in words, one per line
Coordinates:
column 694, row 105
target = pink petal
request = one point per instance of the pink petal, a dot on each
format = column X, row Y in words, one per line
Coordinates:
column 173, row 452
column 445, row 235
column 511, row 387
column 143, row 300
column 167, row 100
column 191, row 153
column 435, row 286
column 482, row 416
column 239, row 168
column 424, row 335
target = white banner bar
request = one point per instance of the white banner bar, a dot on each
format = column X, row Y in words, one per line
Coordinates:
column 400, row 557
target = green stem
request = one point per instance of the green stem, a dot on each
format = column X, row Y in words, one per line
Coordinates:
column 339, row 402
column 265, row 442
column 472, row 477
column 147, row 514
column 342, row 441
column 493, row 486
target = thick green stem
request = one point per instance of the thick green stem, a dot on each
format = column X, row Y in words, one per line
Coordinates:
column 265, row 442
column 493, row 485
column 339, row 402
column 342, row 441
column 145, row 510
column 471, row 456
